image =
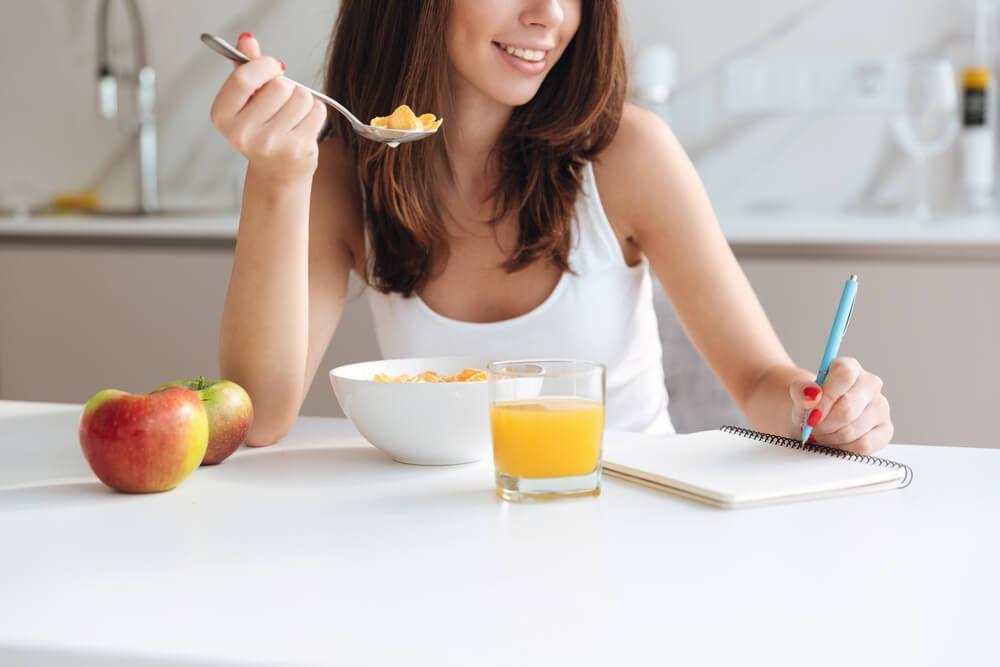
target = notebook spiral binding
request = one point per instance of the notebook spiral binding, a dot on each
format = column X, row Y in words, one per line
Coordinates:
column 782, row 441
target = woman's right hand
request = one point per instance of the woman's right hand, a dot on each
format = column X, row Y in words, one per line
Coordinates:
column 268, row 119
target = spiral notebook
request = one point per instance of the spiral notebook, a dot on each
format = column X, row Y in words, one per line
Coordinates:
column 734, row 467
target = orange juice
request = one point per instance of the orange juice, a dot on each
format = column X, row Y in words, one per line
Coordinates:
column 547, row 437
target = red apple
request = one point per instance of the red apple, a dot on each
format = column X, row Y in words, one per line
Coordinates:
column 230, row 414
column 140, row 443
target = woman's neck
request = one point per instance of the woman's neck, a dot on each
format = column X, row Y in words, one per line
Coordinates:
column 477, row 121
column 476, row 124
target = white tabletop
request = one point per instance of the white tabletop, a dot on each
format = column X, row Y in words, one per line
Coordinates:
column 321, row 550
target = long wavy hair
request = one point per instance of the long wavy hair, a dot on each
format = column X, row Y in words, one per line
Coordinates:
column 389, row 52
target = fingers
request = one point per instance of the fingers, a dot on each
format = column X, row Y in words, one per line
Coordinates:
column 851, row 405
column 874, row 414
column 266, row 102
column 294, row 111
column 248, row 45
column 852, row 413
column 805, row 395
column 245, row 80
column 872, row 441
column 843, row 373
column 312, row 124
column 266, row 117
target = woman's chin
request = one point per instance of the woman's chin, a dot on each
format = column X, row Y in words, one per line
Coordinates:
column 515, row 96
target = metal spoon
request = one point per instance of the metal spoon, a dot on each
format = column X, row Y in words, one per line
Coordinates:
column 380, row 134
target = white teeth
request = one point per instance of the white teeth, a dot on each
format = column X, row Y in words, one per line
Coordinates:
column 524, row 54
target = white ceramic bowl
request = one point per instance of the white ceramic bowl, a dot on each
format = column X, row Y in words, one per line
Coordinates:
column 421, row 423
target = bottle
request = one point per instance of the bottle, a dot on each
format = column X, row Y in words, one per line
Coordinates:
column 979, row 115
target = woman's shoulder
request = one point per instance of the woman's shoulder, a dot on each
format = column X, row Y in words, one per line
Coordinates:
column 638, row 162
column 641, row 137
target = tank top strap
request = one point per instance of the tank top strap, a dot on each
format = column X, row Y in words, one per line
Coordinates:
column 364, row 210
column 358, row 284
column 595, row 246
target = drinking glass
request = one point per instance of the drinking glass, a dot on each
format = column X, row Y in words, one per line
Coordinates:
column 926, row 118
column 547, row 421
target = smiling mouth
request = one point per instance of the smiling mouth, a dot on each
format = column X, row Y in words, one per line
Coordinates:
column 527, row 55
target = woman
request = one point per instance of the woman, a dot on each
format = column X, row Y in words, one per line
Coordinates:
column 526, row 227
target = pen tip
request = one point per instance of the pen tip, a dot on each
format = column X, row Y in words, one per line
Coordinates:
column 854, row 276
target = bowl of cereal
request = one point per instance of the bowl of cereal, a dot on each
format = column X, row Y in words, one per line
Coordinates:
column 425, row 411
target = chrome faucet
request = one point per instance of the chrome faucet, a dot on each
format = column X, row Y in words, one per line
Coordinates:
column 144, row 80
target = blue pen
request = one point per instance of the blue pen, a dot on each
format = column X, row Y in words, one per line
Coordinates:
column 837, row 332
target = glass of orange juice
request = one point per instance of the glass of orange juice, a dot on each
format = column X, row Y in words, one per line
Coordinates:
column 547, row 419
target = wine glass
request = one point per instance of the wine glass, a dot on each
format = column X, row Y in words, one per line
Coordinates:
column 926, row 118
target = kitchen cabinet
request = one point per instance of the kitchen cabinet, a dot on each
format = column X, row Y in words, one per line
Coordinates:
column 928, row 328
column 80, row 316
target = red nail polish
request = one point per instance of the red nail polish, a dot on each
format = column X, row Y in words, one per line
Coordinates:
column 282, row 63
column 811, row 440
column 246, row 35
column 814, row 417
column 812, row 393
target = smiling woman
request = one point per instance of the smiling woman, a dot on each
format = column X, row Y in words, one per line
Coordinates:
column 559, row 65
column 528, row 226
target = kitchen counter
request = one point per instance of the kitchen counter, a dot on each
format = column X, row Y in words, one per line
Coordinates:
column 791, row 235
column 857, row 237
column 321, row 550
column 81, row 228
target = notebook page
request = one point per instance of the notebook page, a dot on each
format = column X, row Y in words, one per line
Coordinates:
column 733, row 469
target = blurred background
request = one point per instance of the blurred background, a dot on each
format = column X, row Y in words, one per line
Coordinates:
column 833, row 136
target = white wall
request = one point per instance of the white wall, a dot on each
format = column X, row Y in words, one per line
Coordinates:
column 51, row 138
column 806, row 161
column 51, row 135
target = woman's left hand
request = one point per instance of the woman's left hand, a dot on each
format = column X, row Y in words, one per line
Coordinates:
column 849, row 412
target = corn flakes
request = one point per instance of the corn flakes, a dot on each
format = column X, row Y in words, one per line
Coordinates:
column 466, row 375
column 403, row 118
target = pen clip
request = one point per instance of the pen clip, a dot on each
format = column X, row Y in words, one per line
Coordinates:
column 854, row 298
column 849, row 313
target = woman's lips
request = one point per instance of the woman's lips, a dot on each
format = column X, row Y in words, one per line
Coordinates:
column 532, row 62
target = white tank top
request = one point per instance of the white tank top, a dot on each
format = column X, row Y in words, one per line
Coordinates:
column 603, row 312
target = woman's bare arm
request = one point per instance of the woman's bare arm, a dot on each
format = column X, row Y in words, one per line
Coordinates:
column 660, row 208
column 287, row 292
column 289, row 274
column 656, row 199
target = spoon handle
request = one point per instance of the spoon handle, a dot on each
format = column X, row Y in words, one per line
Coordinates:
column 330, row 102
column 223, row 48
column 227, row 50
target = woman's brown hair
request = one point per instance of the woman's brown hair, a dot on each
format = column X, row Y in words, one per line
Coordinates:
column 391, row 52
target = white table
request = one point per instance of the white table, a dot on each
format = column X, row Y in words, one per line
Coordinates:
column 320, row 550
